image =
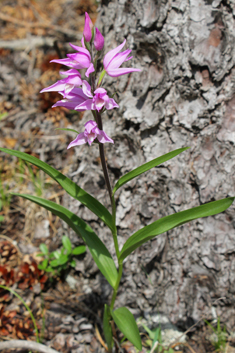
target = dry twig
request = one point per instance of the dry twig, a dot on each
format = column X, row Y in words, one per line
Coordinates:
column 30, row 345
column 27, row 43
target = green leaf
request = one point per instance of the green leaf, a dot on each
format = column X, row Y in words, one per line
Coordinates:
column 79, row 250
column 157, row 336
column 98, row 250
column 63, row 259
column 147, row 166
column 43, row 265
column 56, row 254
column 125, row 321
column 55, row 263
column 107, row 327
column 67, row 244
column 49, row 269
column 73, row 263
column 40, row 254
column 169, row 222
column 44, row 249
column 68, row 185
column 151, row 333
column 65, row 129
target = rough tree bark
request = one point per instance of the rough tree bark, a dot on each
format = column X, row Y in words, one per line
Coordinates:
column 184, row 96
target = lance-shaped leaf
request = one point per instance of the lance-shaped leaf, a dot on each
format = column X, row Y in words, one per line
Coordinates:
column 166, row 223
column 147, row 166
column 125, row 321
column 98, row 250
column 107, row 327
column 68, row 185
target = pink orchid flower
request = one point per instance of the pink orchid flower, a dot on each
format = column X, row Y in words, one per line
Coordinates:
column 87, row 33
column 89, row 135
column 80, row 60
column 96, row 102
column 113, row 60
column 71, row 99
column 98, row 40
column 72, row 80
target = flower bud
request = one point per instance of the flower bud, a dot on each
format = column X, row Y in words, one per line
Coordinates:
column 87, row 33
column 99, row 40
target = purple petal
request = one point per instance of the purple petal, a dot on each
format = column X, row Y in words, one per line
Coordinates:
column 81, row 50
column 86, row 105
column 109, row 56
column 79, row 140
column 111, row 104
column 118, row 60
column 130, row 57
column 89, row 70
column 86, row 88
column 68, row 88
column 102, row 137
column 60, row 61
column 100, row 90
column 70, row 72
column 56, row 87
column 90, row 124
column 91, row 139
column 67, row 62
column 65, row 103
column 105, row 97
column 83, row 44
column 87, row 28
column 99, row 40
column 74, row 80
column 76, row 94
column 120, row 72
column 62, row 84
column 99, row 103
column 82, row 59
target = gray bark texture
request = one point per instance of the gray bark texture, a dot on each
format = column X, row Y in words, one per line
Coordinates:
column 184, row 96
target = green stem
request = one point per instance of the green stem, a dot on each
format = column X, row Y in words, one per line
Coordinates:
column 114, row 228
column 105, row 170
column 114, row 231
column 27, row 308
column 102, row 158
column 107, row 181
column 116, row 286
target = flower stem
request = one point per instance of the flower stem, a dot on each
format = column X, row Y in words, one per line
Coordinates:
column 105, row 170
column 114, row 228
column 116, row 286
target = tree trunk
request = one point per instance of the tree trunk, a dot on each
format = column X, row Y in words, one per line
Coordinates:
column 184, row 96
